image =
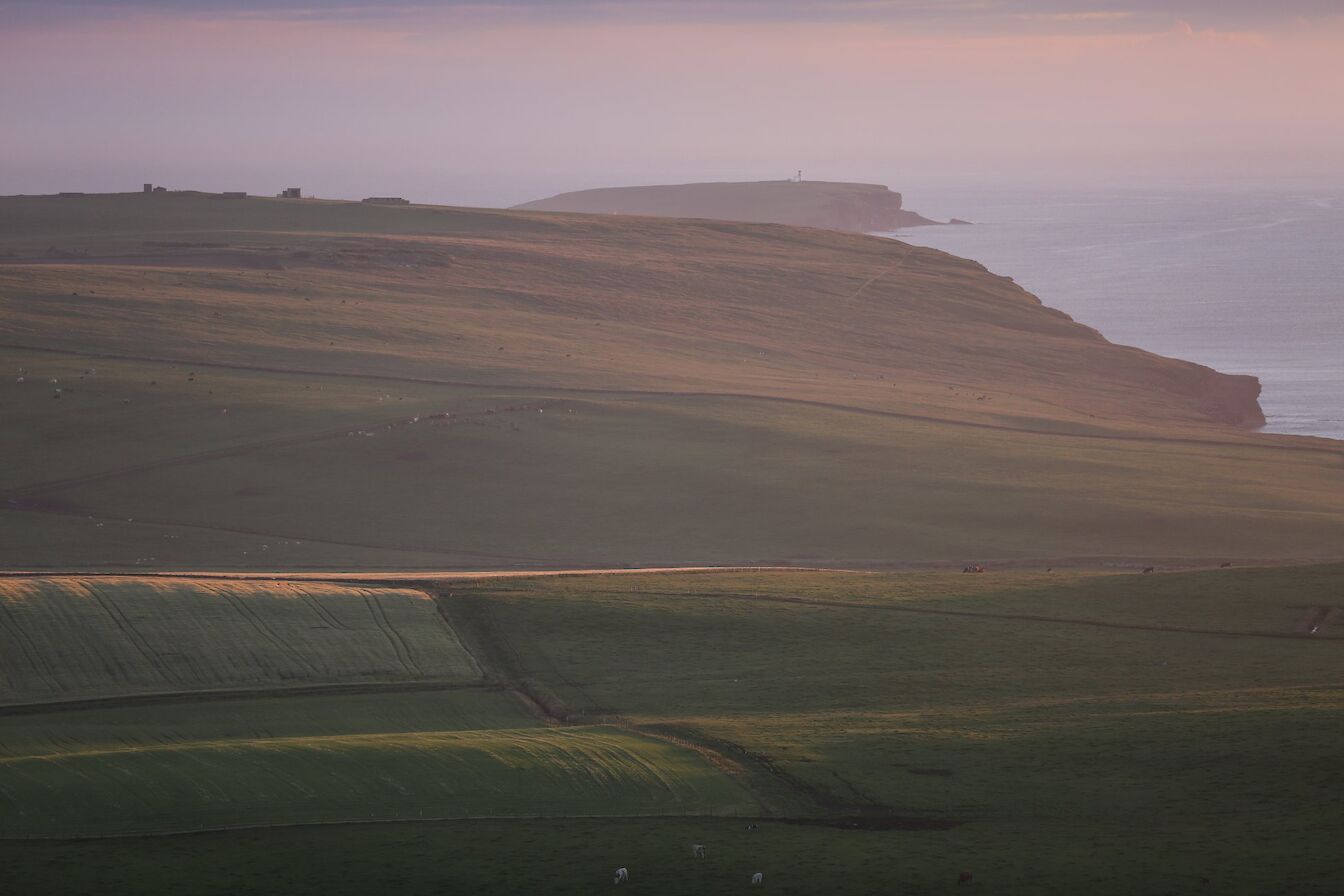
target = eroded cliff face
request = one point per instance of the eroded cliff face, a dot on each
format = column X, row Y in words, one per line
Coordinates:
column 859, row 208
column 1233, row 399
column 867, row 212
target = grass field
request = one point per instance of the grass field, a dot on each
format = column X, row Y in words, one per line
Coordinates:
column 168, row 723
column 73, row 638
column 289, row 780
column 1245, row 857
column 364, row 474
column 1074, row 731
column 573, row 301
column 256, row 384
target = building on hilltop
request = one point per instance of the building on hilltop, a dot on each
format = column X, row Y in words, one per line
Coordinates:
column 291, row 193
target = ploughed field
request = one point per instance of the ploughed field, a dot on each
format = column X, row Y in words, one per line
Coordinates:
column 1073, row 731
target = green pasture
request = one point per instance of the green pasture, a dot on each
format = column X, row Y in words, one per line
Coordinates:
column 1244, row 856
column 294, row 780
column 72, row 638
column 552, row 479
column 110, row 727
column 1023, row 741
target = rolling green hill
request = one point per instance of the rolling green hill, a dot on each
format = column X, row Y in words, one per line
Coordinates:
column 1076, row 730
column 76, row 638
column 255, row 383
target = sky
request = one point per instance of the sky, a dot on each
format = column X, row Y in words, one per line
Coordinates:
column 494, row 103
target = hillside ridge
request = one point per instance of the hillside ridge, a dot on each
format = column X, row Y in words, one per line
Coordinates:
column 577, row 301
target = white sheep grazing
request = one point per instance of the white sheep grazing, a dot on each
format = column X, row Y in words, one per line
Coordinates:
column 698, row 850
column 758, row 878
column 622, row 875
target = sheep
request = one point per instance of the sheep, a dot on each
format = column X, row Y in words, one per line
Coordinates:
column 757, row 878
column 698, row 850
column 622, row 875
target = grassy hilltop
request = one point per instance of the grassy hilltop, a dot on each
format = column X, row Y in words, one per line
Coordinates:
column 863, row 208
column 302, row 384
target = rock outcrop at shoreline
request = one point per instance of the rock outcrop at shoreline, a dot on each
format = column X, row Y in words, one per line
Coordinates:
column 858, row 208
column 1232, row 398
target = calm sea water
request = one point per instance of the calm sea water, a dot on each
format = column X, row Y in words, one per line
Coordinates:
column 1242, row 282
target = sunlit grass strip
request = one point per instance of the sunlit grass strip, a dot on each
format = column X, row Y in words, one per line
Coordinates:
column 525, row 772
column 71, row 637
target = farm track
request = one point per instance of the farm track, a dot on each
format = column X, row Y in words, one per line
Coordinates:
column 394, row 639
column 1285, row 443
column 248, row 614
column 132, row 634
column 975, row 614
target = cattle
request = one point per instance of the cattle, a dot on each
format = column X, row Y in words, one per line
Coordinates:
column 963, row 878
column 622, row 875
column 758, row 878
column 698, row 850
column 1224, row 565
column 1147, row 569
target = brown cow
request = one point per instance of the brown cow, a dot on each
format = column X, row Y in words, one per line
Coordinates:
column 963, row 878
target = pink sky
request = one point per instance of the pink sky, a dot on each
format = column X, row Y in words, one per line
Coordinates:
column 497, row 105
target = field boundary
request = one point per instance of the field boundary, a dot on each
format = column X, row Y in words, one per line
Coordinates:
column 261, row 826
column 152, row 698
column 1007, row 617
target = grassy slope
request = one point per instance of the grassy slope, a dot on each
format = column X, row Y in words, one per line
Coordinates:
column 556, row 480
column 1038, row 730
column 71, row 638
column 491, row 773
column 1077, row 757
column 813, row 462
column 576, row 301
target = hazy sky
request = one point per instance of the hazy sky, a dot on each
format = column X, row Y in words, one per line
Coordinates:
column 498, row 102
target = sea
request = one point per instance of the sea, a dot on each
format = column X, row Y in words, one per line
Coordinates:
column 1244, row 282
